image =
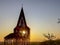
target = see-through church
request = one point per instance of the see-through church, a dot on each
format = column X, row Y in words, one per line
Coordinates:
column 21, row 34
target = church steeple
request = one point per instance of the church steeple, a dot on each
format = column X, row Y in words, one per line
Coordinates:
column 21, row 24
column 21, row 20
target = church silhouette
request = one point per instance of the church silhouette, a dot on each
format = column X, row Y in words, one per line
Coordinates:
column 21, row 34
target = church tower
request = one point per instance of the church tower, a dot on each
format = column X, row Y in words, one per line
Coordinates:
column 21, row 34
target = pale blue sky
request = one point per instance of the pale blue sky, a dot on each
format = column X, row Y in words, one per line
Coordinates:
column 41, row 16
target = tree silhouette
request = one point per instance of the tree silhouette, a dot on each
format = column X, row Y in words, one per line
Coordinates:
column 58, row 20
column 49, row 36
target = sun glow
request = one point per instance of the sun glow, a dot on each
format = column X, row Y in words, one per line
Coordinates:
column 24, row 32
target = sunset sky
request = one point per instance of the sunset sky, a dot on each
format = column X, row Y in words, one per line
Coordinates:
column 41, row 16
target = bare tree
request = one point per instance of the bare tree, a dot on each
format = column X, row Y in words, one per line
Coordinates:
column 49, row 36
column 58, row 20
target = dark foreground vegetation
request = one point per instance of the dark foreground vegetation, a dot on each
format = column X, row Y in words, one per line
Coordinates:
column 50, row 42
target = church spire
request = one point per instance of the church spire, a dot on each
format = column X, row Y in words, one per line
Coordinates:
column 21, row 20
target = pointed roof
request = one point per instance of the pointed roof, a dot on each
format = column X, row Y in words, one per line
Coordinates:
column 21, row 20
column 21, row 23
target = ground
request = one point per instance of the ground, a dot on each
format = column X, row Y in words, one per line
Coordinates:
column 52, row 42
